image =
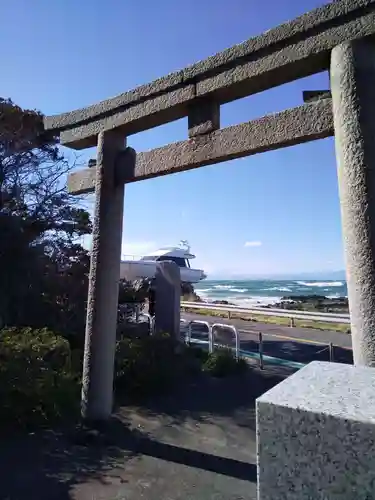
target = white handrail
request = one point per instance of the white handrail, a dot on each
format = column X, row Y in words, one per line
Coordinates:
column 236, row 336
column 150, row 320
column 231, row 307
column 284, row 313
column 209, row 328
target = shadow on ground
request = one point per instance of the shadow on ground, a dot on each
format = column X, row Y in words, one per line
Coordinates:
column 201, row 436
column 207, row 397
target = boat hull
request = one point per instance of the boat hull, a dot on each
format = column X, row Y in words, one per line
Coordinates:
column 132, row 270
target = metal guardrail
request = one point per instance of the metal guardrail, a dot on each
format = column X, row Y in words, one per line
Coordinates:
column 149, row 318
column 283, row 313
column 212, row 344
column 230, row 307
column 189, row 338
column 234, row 331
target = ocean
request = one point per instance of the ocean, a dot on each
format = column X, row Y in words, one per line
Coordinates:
column 246, row 293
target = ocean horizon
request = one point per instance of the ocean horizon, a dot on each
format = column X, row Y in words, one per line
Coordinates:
column 247, row 293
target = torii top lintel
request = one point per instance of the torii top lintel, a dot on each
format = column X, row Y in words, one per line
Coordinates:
column 290, row 51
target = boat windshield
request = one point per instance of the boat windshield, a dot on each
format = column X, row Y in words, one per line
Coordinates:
column 180, row 261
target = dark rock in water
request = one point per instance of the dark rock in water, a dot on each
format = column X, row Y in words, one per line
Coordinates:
column 187, row 289
column 319, row 303
column 188, row 293
column 222, row 302
column 304, row 298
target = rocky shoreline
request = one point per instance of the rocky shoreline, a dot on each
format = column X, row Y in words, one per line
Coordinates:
column 318, row 303
column 314, row 303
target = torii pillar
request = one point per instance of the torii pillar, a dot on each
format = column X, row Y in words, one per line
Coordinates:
column 353, row 98
column 100, row 337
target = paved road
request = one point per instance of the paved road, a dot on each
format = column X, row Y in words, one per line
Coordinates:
column 297, row 344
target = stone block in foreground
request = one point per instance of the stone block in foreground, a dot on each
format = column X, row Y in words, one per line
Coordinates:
column 316, row 435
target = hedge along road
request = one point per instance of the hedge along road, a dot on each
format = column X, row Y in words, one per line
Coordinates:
column 297, row 344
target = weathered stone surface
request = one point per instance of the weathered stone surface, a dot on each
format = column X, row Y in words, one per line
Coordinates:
column 353, row 96
column 298, row 28
column 294, row 50
column 147, row 114
column 167, row 299
column 294, row 126
column 279, row 65
column 203, row 117
column 314, row 95
column 316, row 434
column 100, row 339
column 138, row 94
column 82, row 181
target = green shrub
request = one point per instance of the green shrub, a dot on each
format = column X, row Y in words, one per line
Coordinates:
column 37, row 382
column 146, row 365
column 133, row 330
column 194, row 358
column 222, row 362
column 196, row 352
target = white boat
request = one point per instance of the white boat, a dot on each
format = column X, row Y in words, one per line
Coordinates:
column 145, row 267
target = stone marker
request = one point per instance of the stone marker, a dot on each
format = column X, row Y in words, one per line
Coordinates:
column 167, row 298
column 316, row 435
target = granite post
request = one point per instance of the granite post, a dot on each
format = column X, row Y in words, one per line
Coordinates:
column 353, row 99
column 203, row 117
column 100, row 339
column 316, row 434
column 167, row 299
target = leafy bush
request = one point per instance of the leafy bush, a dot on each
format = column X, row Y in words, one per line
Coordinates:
column 132, row 329
column 133, row 292
column 145, row 365
column 37, row 382
column 222, row 362
column 192, row 359
column 197, row 352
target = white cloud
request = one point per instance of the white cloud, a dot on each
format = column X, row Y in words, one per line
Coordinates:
column 253, row 244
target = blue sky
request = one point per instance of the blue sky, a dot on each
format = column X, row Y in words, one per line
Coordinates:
column 272, row 213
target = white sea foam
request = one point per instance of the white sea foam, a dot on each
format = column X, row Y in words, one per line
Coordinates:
column 253, row 301
column 321, row 283
column 246, row 294
column 278, row 289
column 229, row 288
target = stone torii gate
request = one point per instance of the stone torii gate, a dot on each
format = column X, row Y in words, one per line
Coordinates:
column 337, row 37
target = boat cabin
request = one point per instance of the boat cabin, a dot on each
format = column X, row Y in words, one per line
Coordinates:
column 178, row 255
